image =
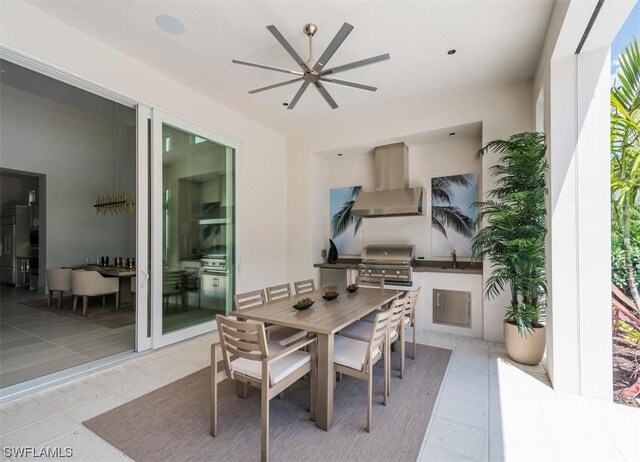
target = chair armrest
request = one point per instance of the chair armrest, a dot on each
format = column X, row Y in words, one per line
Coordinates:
column 290, row 349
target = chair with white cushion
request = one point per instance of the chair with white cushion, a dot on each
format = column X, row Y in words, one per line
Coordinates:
column 278, row 292
column 58, row 280
column 87, row 284
column 304, row 287
column 409, row 319
column 357, row 358
column 370, row 281
column 396, row 330
column 250, row 360
column 281, row 334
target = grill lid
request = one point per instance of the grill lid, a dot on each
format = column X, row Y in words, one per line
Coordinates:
column 388, row 254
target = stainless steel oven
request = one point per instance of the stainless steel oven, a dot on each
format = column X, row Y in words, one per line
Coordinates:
column 214, row 282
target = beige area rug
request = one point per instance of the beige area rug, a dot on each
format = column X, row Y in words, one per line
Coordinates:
column 172, row 423
column 106, row 317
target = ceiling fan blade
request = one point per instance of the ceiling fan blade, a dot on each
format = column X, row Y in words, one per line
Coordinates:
column 297, row 96
column 333, row 46
column 325, row 94
column 280, row 38
column 353, row 65
column 269, row 68
column 275, row 85
column 349, row 84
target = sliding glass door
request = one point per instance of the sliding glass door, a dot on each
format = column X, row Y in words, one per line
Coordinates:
column 193, row 228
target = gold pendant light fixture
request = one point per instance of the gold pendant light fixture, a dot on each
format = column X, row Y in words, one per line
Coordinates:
column 116, row 203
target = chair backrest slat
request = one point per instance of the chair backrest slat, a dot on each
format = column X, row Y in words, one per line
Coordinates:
column 370, row 281
column 411, row 299
column 378, row 334
column 397, row 313
column 304, row 287
column 249, row 299
column 278, row 292
column 241, row 339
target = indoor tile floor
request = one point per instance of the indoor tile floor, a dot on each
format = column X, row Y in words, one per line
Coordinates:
column 37, row 342
column 488, row 409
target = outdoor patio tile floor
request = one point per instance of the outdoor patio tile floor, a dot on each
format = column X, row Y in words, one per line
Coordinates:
column 489, row 408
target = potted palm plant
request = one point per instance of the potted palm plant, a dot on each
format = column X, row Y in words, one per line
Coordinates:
column 512, row 238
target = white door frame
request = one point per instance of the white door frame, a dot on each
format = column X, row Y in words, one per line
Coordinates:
column 158, row 118
column 143, row 115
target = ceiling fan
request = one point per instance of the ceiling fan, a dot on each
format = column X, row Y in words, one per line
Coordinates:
column 313, row 71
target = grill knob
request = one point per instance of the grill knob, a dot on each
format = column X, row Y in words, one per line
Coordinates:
column 369, row 271
column 383, row 271
column 362, row 271
column 398, row 273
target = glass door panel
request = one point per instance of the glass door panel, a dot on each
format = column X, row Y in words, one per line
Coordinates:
column 195, row 201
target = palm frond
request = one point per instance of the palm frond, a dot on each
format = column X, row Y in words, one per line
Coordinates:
column 453, row 218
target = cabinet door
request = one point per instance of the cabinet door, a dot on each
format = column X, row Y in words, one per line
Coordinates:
column 452, row 307
column 330, row 277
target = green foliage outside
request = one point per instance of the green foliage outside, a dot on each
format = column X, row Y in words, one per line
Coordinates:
column 618, row 268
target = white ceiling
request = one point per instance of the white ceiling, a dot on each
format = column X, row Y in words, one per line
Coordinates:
column 498, row 42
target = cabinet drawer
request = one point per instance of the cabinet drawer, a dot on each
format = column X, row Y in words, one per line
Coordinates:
column 452, row 307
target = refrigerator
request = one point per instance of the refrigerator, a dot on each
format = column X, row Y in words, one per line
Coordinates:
column 16, row 223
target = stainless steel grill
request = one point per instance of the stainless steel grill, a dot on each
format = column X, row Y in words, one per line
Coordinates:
column 391, row 262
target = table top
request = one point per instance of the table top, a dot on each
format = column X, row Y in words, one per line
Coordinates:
column 325, row 316
column 108, row 270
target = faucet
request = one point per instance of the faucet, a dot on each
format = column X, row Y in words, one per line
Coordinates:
column 455, row 259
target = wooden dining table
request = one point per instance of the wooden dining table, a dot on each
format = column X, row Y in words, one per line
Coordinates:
column 325, row 318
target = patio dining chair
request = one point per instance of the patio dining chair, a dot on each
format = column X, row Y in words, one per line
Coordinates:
column 280, row 334
column 356, row 358
column 250, row 360
column 304, row 287
column 370, row 281
column 409, row 319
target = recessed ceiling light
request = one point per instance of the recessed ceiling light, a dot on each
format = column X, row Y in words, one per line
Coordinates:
column 451, row 52
column 452, row 133
column 170, row 25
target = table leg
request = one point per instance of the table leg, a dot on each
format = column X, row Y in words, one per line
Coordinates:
column 326, row 378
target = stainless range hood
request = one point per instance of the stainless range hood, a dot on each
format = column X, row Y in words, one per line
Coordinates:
column 392, row 196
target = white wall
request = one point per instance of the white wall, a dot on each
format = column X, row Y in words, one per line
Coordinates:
column 262, row 177
column 426, row 160
column 502, row 111
column 74, row 149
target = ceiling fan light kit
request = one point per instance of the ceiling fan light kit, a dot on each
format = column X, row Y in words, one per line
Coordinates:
column 312, row 70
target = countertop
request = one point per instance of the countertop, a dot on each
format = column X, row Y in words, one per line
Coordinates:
column 419, row 266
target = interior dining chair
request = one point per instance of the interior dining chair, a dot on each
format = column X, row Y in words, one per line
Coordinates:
column 356, row 358
column 134, row 281
column 281, row 334
column 409, row 319
column 370, row 281
column 58, row 280
column 87, row 284
column 304, row 287
column 249, row 359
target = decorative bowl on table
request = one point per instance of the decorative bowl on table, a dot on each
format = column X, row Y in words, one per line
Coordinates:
column 303, row 304
column 331, row 295
column 351, row 288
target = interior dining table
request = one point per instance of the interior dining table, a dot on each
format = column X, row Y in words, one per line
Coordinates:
column 324, row 319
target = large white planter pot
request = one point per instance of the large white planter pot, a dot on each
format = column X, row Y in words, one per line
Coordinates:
column 527, row 349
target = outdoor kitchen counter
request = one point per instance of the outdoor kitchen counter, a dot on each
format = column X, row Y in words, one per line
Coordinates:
column 419, row 266
column 431, row 266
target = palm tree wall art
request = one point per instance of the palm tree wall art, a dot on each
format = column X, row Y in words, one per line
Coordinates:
column 453, row 214
column 345, row 227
